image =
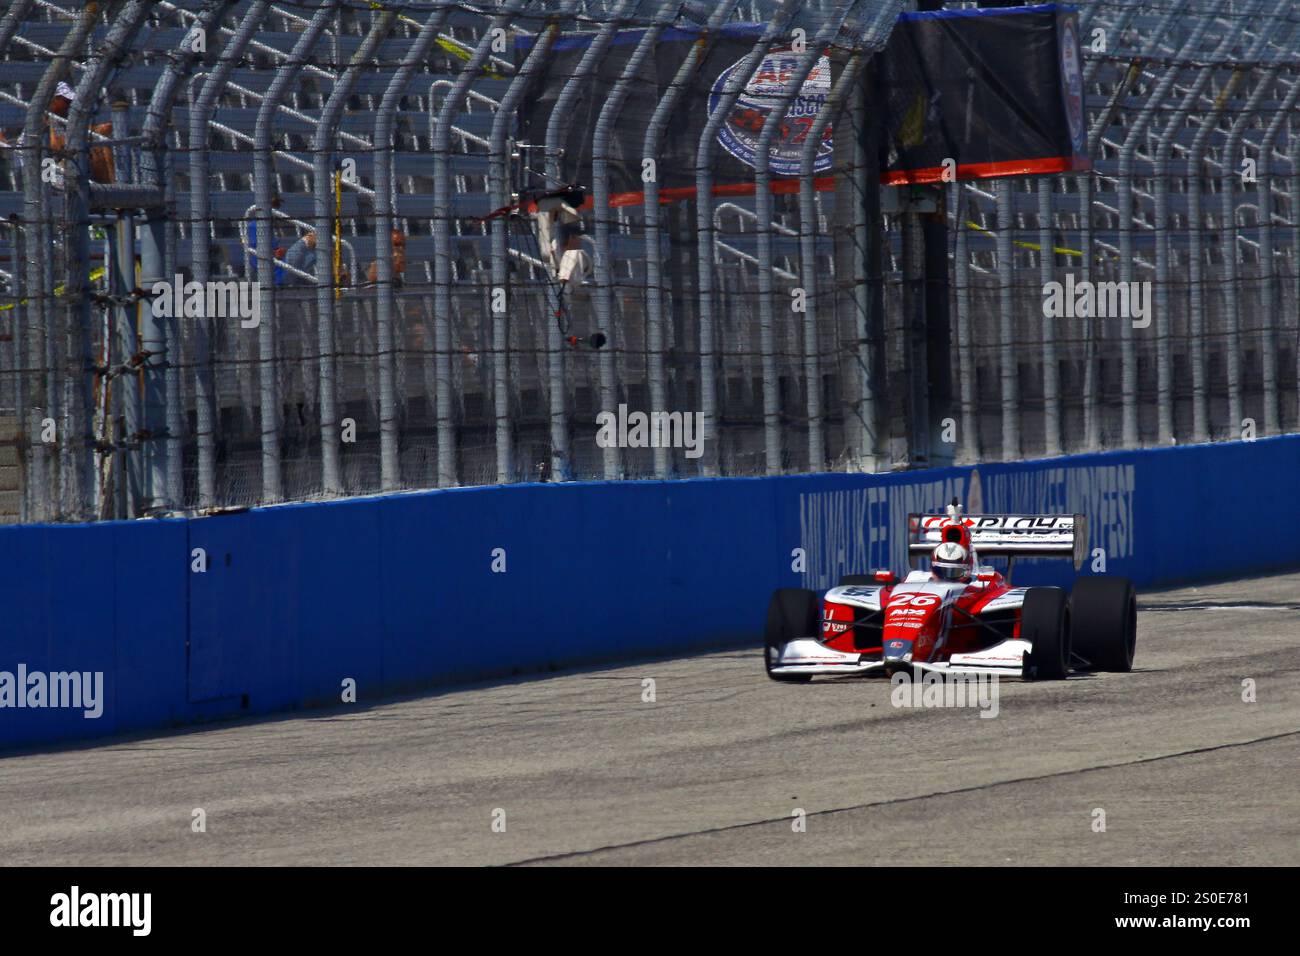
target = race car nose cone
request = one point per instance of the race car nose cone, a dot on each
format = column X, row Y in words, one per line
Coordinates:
column 898, row 650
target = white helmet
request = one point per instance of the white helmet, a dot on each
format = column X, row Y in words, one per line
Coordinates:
column 951, row 562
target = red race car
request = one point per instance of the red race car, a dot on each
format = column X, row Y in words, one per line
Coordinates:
column 959, row 616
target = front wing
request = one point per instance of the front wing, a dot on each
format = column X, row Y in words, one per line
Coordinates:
column 809, row 657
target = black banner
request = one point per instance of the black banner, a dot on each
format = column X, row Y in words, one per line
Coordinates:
column 997, row 92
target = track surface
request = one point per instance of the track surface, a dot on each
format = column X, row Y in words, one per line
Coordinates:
column 712, row 771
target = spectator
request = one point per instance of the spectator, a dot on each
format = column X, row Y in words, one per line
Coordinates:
column 558, row 221
column 101, row 157
column 575, row 263
column 277, row 252
column 302, row 256
column 10, row 142
column 399, row 260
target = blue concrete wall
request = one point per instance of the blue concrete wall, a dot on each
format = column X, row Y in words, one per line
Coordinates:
column 398, row 593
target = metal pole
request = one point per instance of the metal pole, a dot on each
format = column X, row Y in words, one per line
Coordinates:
column 1051, row 372
column 604, row 297
column 778, row 107
column 1195, row 156
column 160, row 453
column 12, row 20
column 557, row 128
column 40, row 308
column 1009, row 372
column 326, row 280
column 9, row 24
column 174, row 417
column 1137, row 135
column 1089, row 328
column 162, row 450
column 442, row 226
column 866, row 45
column 263, row 171
column 653, row 252
column 868, row 278
column 740, row 77
column 808, row 252
column 78, row 445
column 1294, row 156
column 200, row 253
column 1230, row 172
column 390, row 468
column 1268, row 268
column 1164, row 358
column 808, row 259
column 499, row 189
column 127, row 470
column 18, row 350
column 268, row 386
column 970, row 439
column 1091, row 410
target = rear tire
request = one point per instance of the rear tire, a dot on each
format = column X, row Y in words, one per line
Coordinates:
column 1103, row 622
column 792, row 613
column 1044, row 623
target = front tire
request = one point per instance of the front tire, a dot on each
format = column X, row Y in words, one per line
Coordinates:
column 1103, row 622
column 792, row 613
column 1044, row 623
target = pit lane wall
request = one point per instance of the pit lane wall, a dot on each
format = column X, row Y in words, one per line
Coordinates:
column 279, row 608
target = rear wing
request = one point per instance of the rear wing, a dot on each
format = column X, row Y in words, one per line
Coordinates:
column 1012, row 536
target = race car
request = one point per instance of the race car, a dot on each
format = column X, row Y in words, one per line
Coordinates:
column 959, row 615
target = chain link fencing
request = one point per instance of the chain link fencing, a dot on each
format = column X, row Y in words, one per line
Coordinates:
column 370, row 180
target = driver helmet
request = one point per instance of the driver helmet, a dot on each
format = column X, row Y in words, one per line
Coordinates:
column 951, row 562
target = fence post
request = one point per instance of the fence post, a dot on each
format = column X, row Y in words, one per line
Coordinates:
column 740, row 77
column 604, row 297
column 443, row 215
column 326, row 279
column 79, row 455
column 390, row 468
column 655, row 371
column 1271, row 332
column 263, row 170
column 1230, row 173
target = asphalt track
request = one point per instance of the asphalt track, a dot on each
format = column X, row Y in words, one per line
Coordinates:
column 712, row 771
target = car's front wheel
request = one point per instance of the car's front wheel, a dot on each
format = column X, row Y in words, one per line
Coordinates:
column 1044, row 623
column 792, row 613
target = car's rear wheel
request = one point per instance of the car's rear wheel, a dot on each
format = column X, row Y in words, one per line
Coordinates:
column 1103, row 622
column 1044, row 623
column 792, row 613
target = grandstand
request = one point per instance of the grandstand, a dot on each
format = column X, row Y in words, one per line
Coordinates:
column 358, row 119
